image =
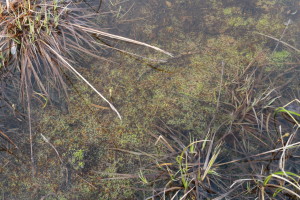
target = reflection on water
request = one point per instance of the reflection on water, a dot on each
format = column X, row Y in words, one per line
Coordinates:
column 259, row 74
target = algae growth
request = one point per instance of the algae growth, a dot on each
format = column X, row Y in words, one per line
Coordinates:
column 181, row 93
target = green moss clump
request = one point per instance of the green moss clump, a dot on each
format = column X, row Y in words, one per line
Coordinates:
column 267, row 24
column 278, row 60
column 239, row 21
column 280, row 57
column 228, row 11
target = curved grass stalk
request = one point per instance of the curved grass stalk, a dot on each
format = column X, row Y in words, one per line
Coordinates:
column 112, row 36
column 44, row 97
column 53, row 147
column 288, row 174
column 2, row 134
column 82, row 78
column 290, row 113
column 284, row 188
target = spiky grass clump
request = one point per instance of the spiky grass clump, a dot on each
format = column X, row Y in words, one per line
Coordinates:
column 28, row 30
column 187, row 169
column 38, row 38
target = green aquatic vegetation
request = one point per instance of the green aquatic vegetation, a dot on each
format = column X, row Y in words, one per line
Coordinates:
column 267, row 24
column 176, row 98
column 156, row 97
column 77, row 159
column 185, row 99
column 239, row 21
column 222, row 49
column 280, row 57
column 228, row 11
column 265, row 4
column 279, row 60
column 235, row 18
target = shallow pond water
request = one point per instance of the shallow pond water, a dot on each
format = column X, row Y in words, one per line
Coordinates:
column 234, row 63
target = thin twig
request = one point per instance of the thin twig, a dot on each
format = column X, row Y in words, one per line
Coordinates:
column 53, row 147
column 30, row 128
column 260, row 154
column 284, row 43
column 286, row 27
